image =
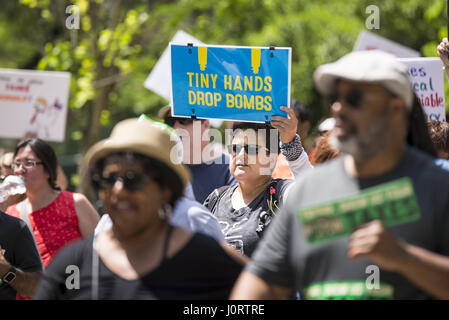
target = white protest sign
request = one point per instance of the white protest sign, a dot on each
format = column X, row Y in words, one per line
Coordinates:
column 371, row 41
column 159, row 80
column 427, row 80
column 34, row 102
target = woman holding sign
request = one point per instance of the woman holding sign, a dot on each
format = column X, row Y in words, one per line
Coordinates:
column 246, row 208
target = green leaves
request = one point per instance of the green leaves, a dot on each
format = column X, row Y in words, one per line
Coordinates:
column 119, row 42
column 434, row 10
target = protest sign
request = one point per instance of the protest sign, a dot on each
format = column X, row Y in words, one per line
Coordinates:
column 371, row 41
column 34, row 102
column 158, row 80
column 427, row 80
column 393, row 203
column 230, row 82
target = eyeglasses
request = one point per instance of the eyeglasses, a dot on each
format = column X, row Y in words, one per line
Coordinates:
column 250, row 149
column 131, row 181
column 27, row 164
column 353, row 98
column 170, row 121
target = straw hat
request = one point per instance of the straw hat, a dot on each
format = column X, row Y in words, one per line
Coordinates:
column 143, row 136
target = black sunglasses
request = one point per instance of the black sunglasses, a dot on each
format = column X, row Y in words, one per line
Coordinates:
column 170, row 121
column 250, row 149
column 131, row 181
column 353, row 98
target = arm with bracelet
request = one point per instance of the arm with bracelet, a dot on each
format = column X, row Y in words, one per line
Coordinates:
column 291, row 146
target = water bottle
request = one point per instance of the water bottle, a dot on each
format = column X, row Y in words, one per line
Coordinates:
column 11, row 185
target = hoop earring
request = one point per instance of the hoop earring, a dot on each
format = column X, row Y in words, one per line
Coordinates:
column 165, row 212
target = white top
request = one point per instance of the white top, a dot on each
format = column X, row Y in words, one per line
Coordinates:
column 187, row 214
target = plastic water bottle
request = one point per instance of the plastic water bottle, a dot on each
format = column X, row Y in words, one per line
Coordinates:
column 11, row 185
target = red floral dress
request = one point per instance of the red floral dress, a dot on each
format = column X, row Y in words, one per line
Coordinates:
column 54, row 226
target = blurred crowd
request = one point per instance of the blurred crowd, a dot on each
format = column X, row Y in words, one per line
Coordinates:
column 232, row 225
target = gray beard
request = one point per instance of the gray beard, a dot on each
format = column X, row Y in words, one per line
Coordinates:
column 367, row 144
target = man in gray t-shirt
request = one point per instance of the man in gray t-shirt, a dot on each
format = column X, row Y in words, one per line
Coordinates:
column 409, row 260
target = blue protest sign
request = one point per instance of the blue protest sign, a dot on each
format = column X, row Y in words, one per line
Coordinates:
column 229, row 82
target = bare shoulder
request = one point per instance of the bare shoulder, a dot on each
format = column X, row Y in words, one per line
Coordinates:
column 79, row 198
column 88, row 217
column 83, row 206
column 81, row 201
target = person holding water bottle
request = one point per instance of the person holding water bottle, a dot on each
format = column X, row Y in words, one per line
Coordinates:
column 55, row 217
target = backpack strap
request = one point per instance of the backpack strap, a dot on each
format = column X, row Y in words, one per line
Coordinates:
column 213, row 198
column 269, row 206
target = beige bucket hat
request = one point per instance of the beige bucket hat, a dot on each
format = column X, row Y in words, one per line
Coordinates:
column 143, row 136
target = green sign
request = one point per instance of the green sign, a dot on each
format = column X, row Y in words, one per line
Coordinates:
column 347, row 290
column 393, row 203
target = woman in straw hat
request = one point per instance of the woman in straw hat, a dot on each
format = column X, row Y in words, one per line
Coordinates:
column 142, row 256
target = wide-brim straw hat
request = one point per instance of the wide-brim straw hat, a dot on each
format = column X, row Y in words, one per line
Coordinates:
column 143, row 136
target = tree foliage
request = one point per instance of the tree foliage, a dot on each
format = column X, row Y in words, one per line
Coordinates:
column 119, row 42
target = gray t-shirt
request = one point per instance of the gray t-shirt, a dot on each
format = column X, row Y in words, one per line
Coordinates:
column 323, row 270
column 240, row 226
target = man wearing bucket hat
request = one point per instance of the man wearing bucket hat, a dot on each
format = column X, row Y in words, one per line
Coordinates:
column 372, row 103
column 209, row 167
column 142, row 256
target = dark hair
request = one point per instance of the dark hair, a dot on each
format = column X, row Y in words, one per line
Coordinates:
column 324, row 151
column 164, row 176
column 300, row 110
column 418, row 133
column 267, row 131
column 171, row 120
column 46, row 154
column 439, row 134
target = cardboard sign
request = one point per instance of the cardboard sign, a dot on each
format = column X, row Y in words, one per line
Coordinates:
column 426, row 76
column 371, row 41
column 34, row 102
column 229, row 82
column 393, row 203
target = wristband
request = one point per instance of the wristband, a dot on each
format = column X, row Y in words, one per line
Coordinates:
column 293, row 149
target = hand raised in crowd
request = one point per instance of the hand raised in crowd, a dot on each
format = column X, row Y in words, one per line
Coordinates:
column 443, row 49
column 374, row 242
column 286, row 126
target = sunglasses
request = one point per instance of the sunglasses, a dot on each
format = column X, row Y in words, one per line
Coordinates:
column 353, row 98
column 250, row 149
column 131, row 181
column 170, row 121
